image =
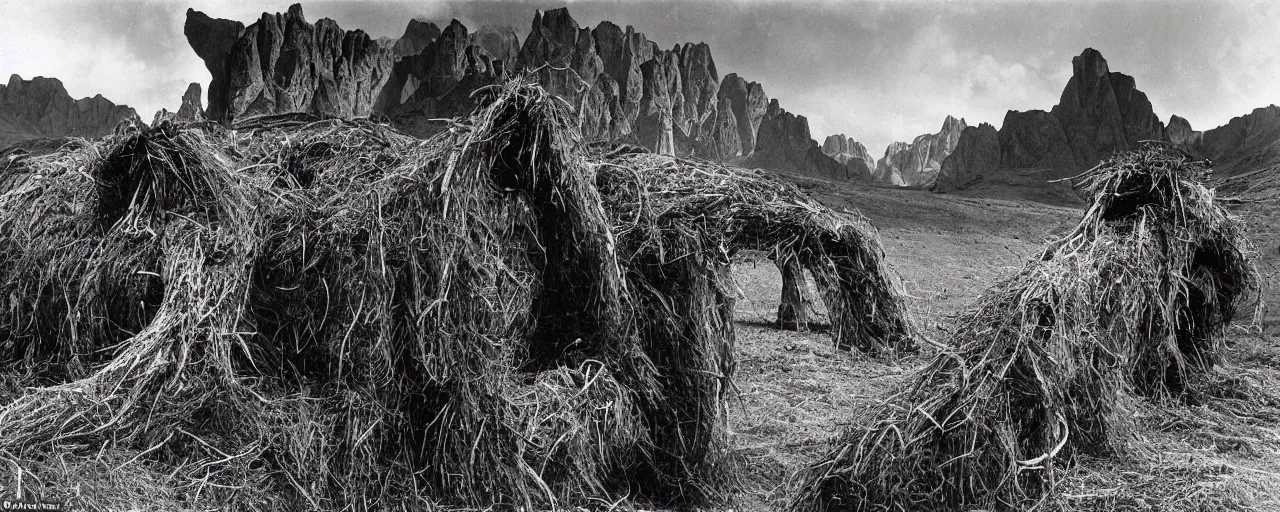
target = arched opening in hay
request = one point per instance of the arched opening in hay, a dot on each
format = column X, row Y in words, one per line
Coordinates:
column 764, row 289
column 658, row 202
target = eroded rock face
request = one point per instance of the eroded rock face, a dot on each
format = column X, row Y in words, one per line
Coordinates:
column 783, row 143
column 622, row 86
column 568, row 64
column 701, row 84
column 1246, row 143
column 212, row 40
column 501, row 43
column 189, row 111
column 722, row 144
column 654, row 125
column 42, row 108
column 416, row 37
column 1179, row 131
column 886, row 168
column 437, row 82
column 748, row 103
column 852, row 154
column 1102, row 112
column 282, row 63
column 1099, row 113
column 977, row 152
column 918, row 163
column 1034, row 139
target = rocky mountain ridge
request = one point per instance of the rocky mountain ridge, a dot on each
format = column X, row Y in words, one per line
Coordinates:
column 917, row 164
column 623, row 87
column 1099, row 113
column 42, row 108
column 851, row 153
column 188, row 111
column 1245, row 144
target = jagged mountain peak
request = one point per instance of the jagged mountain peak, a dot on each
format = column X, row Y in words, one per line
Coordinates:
column 1099, row 112
column 917, row 164
column 622, row 86
column 42, row 108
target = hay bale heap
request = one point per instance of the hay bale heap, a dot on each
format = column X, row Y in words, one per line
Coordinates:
column 332, row 315
column 672, row 210
column 327, row 314
column 1048, row 364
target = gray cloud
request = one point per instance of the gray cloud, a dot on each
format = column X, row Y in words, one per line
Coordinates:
column 878, row 72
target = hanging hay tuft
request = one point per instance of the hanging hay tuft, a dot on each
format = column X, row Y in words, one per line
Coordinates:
column 1046, row 366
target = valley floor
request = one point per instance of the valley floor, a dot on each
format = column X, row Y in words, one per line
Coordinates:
column 796, row 391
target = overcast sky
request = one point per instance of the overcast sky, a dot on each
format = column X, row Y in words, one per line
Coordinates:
column 879, row 72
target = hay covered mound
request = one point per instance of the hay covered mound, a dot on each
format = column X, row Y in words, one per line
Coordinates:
column 658, row 202
column 305, row 314
column 1049, row 364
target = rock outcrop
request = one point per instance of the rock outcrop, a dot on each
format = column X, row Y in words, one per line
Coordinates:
column 976, row 152
column 1099, row 113
column 851, row 153
column 1247, row 143
column 918, row 163
column 1179, row 131
column 623, row 87
column 885, row 171
column 282, row 63
column 501, row 43
column 212, row 40
column 749, row 104
column 783, row 143
column 1102, row 112
column 42, row 108
column 416, row 37
column 189, row 111
column 1034, row 139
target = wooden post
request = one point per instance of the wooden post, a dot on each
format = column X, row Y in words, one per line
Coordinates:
column 793, row 309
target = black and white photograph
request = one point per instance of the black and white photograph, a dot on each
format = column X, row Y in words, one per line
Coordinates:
column 651, row 255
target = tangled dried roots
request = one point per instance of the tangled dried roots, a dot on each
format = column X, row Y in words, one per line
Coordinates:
column 1048, row 365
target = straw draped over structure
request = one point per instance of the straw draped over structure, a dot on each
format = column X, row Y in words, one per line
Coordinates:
column 328, row 314
column 659, row 201
column 1048, row 364
column 361, row 316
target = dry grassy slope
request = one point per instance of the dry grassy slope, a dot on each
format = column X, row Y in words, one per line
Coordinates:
column 1261, row 214
column 796, row 391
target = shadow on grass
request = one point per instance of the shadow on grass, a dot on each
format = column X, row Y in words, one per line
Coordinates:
column 815, row 327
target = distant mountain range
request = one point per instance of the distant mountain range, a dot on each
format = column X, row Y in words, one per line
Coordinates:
column 917, row 164
column 41, row 108
column 625, row 88
column 1099, row 113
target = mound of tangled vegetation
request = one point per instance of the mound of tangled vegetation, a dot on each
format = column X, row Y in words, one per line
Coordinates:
column 328, row 314
column 1049, row 366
